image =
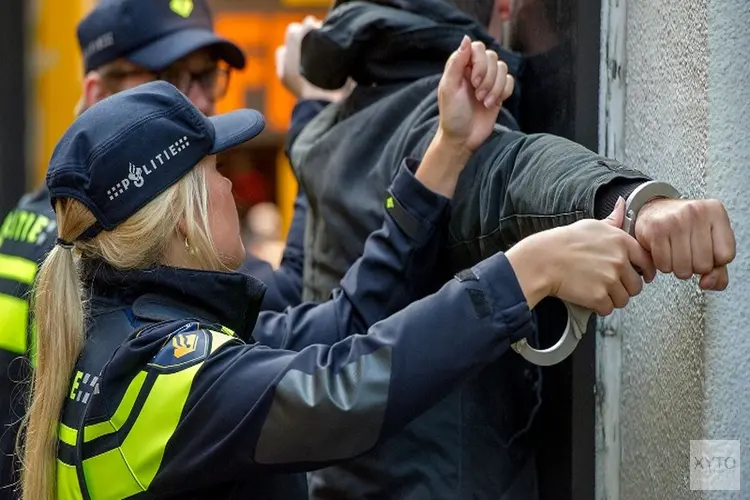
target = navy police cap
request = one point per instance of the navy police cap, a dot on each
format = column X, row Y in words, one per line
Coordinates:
column 151, row 33
column 125, row 150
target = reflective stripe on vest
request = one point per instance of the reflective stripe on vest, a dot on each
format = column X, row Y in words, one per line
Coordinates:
column 19, row 273
column 131, row 464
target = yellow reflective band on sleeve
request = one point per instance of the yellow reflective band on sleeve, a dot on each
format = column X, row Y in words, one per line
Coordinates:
column 131, row 468
column 17, row 269
column 67, row 435
column 14, row 314
column 120, row 415
column 67, row 482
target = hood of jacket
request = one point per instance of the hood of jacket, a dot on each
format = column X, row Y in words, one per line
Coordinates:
column 390, row 41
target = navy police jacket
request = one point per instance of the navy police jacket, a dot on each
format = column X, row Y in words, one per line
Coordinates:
column 184, row 391
column 28, row 233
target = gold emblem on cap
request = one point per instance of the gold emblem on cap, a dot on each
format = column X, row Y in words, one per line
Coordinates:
column 181, row 7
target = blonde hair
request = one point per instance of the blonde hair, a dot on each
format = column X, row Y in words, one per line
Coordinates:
column 59, row 310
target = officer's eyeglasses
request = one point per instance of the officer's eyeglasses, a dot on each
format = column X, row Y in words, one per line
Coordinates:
column 213, row 81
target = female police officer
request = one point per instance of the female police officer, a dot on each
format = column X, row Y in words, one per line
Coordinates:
column 175, row 392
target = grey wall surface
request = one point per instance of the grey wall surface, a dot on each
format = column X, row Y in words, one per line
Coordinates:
column 727, row 337
column 686, row 355
column 666, row 130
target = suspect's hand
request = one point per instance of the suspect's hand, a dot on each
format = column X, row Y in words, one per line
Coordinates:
column 473, row 87
column 688, row 237
column 589, row 263
column 467, row 113
column 288, row 65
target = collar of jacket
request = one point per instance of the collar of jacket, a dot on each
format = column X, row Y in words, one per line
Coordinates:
column 165, row 293
column 389, row 41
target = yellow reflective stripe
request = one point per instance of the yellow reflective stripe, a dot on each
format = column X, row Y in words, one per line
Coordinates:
column 160, row 416
column 17, row 269
column 218, row 340
column 109, row 476
column 144, row 446
column 67, row 435
column 67, row 482
column 14, row 313
column 120, row 415
column 131, row 468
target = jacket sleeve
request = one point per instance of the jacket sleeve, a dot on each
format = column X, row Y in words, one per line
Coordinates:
column 255, row 409
column 395, row 270
column 517, row 185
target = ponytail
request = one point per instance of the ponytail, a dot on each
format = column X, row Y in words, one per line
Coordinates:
column 58, row 313
column 59, row 321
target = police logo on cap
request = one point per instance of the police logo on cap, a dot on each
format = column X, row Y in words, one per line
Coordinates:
column 136, row 175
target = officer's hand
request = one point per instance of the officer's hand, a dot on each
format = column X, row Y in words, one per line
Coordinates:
column 288, row 65
column 688, row 237
column 473, row 87
column 589, row 263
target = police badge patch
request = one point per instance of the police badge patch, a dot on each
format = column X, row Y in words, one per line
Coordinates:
column 182, row 349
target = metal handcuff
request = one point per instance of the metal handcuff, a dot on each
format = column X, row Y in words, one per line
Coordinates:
column 578, row 317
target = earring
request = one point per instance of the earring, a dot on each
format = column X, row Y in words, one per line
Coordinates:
column 188, row 247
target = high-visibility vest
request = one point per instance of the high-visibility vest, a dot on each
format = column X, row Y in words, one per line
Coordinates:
column 117, row 454
column 26, row 235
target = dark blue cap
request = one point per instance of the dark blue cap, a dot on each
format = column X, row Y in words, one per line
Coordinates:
column 125, row 150
column 151, row 33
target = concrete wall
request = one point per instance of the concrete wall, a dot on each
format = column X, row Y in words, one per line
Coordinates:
column 685, row 355
column 727, row 338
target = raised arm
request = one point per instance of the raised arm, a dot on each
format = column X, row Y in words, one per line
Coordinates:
column 399, row 260
column 517, row 185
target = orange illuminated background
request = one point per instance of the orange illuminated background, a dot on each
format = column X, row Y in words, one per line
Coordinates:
column 259, row 34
